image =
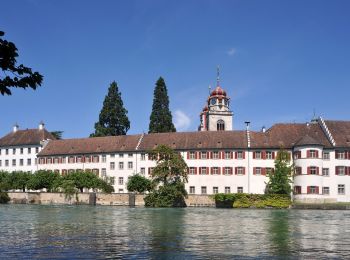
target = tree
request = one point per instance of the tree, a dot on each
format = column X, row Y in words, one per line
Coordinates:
column 43, row 179
column 57, row 134
column 169, row 178
column 161, row 118
column 20, row 76
column 280, row 179
column 139, row 184
column 113, row 119
column 18, row 180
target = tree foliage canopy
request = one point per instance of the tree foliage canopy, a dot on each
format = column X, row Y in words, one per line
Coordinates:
column 14, row 75
column 169, row 178
column 139, row 184
column 280, row 179
column 161, row 120
column 113, row 119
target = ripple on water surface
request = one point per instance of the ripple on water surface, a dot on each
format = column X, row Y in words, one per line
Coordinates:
column 87, row 232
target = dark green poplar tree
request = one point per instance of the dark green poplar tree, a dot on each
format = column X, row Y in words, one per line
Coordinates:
column 14, row 75
column 161, row 120
column 113, row 119
column 280, row 178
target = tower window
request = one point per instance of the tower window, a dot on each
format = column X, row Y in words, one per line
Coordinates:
column 220, row 125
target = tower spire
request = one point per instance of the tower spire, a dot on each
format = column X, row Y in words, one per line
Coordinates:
column 218, row 76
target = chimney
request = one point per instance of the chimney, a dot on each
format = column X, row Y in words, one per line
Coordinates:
column 15, row 128
column 263, row 129
column 41, row 125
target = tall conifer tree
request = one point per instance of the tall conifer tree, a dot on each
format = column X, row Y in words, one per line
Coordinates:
column 113, row 119
column 161, row 120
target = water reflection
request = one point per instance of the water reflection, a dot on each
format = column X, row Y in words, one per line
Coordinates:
column 84, row 232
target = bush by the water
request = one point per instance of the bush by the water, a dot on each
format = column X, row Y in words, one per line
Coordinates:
column 171, row 195
column 243, row 200
column 4, row 197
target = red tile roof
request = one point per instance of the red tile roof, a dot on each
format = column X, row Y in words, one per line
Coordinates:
column 340, row 131
column 26, row 137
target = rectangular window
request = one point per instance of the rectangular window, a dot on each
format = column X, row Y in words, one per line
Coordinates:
column 21, row 150
column 340, row 170
column 313, row 190
column 312, row 154
column 143, row 171
column 36, row 149
column 215, row 170
column 297, row 155
column 192, row 190
column 130, row 155
column 257, row 171
column 313, row 171
column 204, row 170
column 204, row 189
column 240, row 170
column 297, row 189
column 121, row 181
column 216, row 155
column 143, row 157
column 325, row 190
column 7, row 151
column 192, row 155
column 298, row 171
column 104, row 158
column 121, row 190
column 29, row 150
column 29, row 162
column 341, row 189
column 87, row 159
column 227, row 190
column 239, row 189
column 269, row 155
column 121, row 166
column 129, row 165
column 203, row 155
column 227, row 171
column 112, row 166
column 239, row 155
column 121, row 155
column 56, row 160
column 257, row 155
column 20, row 162
column 6, row 163
column 112, row 180
column 0, row 163
column 14, row 162
column 103, row 173
column 14, row 151
column 63, row 159
column 325, row 172
column 192, row 171
column 325, row 156
column 215, row 190
column 227, row 155
column 150, row 170
column 339, row 155
column 95, row 171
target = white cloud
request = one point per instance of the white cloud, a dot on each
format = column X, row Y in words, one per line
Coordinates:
column 231, row 52
column 182, row 121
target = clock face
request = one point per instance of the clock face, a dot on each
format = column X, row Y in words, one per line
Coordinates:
column 213, row 101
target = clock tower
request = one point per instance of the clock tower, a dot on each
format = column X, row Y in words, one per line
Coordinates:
column 216, row 115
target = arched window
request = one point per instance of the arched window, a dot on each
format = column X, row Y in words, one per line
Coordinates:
column 220, row 125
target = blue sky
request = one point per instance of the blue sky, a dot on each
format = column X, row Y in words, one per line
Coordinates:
column 280, row 60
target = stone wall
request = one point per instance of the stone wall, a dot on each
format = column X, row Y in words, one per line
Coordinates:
column 114, row 199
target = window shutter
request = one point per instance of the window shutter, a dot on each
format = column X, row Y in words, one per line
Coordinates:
column 195, row 170
column 188, row 155
column 209, row 155
column 236, row 170
column 211, row 170
column 236, row 155
column 317, row 170
column 263, row 171
column 231, row 170
column 243, row 153
column 219, row 170
column 336, row 154
column 273, row 155
column 308, row 154
column 317, row 190
column 316, row 153
column 223, row 171
column 231, row 155
column 207, row 170
column 222, row 154
column 253, row 155
column 336, row 170
column 308, row 170
column 243, row 170
column 254, row 170
column 263, row 155
column 308, row 189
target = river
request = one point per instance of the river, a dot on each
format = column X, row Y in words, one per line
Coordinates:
column 88, row 232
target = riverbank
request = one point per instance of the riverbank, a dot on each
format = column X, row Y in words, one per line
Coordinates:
column 103, row 199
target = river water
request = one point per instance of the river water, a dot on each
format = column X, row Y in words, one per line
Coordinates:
column 88, row 232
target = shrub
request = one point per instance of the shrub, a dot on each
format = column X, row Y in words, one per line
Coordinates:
column 4, row 197
column 171, row 195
